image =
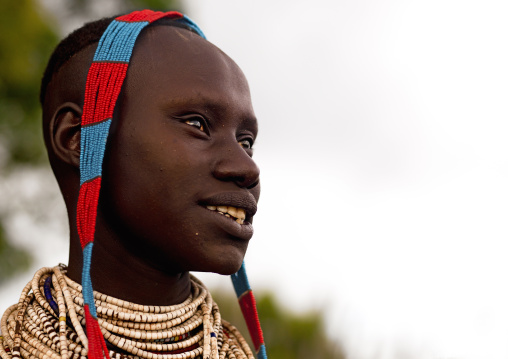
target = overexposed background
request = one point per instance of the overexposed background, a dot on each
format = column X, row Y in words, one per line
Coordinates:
column 384, row 165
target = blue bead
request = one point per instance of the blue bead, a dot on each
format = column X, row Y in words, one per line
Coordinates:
column 118, row 40
column 86, row 280
column 93, row 146
column 240, row 281
column 261, row 354
column 187, row 21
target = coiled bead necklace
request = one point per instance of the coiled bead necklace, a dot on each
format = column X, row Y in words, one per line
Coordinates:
column 47, row 323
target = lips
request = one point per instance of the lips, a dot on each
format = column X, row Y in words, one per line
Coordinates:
column 239, row 206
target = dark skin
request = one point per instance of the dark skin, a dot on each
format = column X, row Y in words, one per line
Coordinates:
column 180, row 141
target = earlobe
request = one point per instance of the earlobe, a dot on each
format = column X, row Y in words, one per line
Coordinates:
column 65, row 132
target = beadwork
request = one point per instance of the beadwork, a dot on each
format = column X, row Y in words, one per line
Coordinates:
column 49, row 318
column 113, row 319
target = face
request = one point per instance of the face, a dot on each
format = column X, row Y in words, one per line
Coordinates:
column 180, row 186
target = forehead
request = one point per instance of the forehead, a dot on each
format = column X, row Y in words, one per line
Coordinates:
column 170, row 63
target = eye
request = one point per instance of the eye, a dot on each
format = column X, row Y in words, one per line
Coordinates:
column 246, row 143
column 196, row 122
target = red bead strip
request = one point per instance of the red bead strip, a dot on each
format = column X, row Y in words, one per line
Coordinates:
column 96, row 344
column 103, row 85
column 148, row 15
column 248, row 307
column 87, row 210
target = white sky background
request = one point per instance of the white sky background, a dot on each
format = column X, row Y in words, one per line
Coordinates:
column 384, row 165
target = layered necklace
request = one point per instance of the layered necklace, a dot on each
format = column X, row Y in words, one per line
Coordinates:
column 48, row 321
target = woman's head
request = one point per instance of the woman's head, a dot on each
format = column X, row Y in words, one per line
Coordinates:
column 178, row 155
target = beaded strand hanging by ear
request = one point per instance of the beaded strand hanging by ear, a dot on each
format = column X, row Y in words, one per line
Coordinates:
column 103, row 85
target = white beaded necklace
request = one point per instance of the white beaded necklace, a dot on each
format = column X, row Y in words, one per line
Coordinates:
column 47, row 323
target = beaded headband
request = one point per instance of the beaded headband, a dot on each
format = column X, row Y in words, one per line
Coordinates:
column 104, row 82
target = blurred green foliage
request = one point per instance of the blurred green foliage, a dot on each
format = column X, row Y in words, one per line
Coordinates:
column 26, row 41
column 288, row 335
column 12, row 258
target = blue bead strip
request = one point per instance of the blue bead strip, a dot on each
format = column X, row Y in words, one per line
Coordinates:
column 86, row 280
column 93, row 145
column 118, row 32
column 240, row 281
column 187, row 21
column 261, row 354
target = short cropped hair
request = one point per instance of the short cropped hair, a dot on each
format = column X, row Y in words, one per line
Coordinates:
column 79, row 39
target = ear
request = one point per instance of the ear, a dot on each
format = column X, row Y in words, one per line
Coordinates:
column 65, row 133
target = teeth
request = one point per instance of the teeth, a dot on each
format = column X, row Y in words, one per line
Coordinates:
column 240, row 214
column 231, row 212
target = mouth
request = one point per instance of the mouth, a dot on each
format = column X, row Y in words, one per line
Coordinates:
column 236, row 214
column 240, row 207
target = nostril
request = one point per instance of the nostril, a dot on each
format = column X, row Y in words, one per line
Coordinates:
column 238, row 167
column 254, row 184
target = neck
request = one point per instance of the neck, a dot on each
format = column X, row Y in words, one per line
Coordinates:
column 117, row 273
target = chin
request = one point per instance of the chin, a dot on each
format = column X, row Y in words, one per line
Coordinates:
column 224, row 264
column 229, row 269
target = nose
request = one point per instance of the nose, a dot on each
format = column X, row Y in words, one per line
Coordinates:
column 237, row 166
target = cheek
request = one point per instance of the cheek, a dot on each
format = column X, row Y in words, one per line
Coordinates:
column 154, row 172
